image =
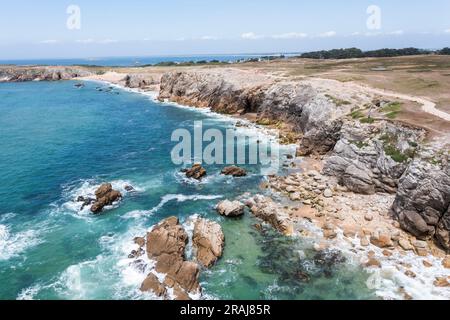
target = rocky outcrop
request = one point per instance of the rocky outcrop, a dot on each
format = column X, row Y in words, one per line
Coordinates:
column 106, row 196
column 138, row 81
column 270, row 212
column 196, row 172
column 234, row 171
column 208, row 241
column 166, row 245
column 22, row 74
column 230, row 209
column 212, row 90
column 371, row 158
column 309, row 112
column 423, row 198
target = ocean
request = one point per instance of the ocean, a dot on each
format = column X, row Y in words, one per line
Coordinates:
column 59, row 142
column 130, row 61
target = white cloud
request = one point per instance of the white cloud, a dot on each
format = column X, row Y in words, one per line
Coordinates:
column 107, row 41
column 251, row 36
column 85, row 41
column 209, row 38
column 290, row 35
column 51, row 41
column 328, row 34
column 396, row 33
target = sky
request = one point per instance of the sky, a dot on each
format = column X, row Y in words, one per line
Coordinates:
column 105, row 28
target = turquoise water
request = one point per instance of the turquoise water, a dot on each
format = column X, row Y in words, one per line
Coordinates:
column 58, row 142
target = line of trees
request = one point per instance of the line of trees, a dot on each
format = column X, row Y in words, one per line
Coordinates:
column 350, row 53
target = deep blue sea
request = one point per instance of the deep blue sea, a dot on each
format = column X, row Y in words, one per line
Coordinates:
column 130, row 61
column 59, row 142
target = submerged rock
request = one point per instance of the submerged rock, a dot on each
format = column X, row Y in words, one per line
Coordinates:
column 208, row 240
column 234, row 171
column 196, row 172
column 105, row 196
column 230, row 209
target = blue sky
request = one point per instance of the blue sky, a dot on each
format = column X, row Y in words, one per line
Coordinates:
column 38, row 29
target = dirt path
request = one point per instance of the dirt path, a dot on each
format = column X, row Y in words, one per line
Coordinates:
column 350, row 89
column 427, row 105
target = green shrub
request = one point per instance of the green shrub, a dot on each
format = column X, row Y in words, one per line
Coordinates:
column 367, row 120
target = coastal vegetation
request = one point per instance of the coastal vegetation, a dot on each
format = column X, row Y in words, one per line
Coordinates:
column 352, row 53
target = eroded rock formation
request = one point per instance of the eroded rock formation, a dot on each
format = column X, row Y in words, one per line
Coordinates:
column 309, row 112
column 371, row 158
column 196, row 172
column 106, row 196
column 166, row 245
column 234, row 171
column 230, row 209
column 270, row 212
column 423, row 198
column 208, row 241
column 21, row 74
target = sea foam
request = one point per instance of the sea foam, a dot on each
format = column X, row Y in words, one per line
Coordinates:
column 14, row 244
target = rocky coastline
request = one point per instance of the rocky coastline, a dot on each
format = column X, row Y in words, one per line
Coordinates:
column 379, row 182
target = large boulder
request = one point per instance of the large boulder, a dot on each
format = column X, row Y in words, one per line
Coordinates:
column 272, row 213
column 105, row 196
column 230, row 209
column 166, row 244
column 234, row 171
column 208, row 240
column 423, row 198
column 168, row 238
column 196, row 172
column 152, row 284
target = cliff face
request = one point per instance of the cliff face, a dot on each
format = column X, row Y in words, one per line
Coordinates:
column 371, row 158
column 22, row 74
column 423, row 198
column 308, row 111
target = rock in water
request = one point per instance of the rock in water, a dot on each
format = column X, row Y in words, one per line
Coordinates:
column 234, row 171
column 196, row 172
column 267, row 210
column 208, row 240
column 166, row 245
column 151, row 283
column 230, row 209
column 105, row 196
column 168, row 238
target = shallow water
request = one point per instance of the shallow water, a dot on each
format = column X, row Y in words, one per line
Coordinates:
column 58, row 142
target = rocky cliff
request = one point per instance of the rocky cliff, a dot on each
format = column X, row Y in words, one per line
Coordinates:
column 22, row 74
column 371, row 158
column 309, row 112
column 423, row 197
